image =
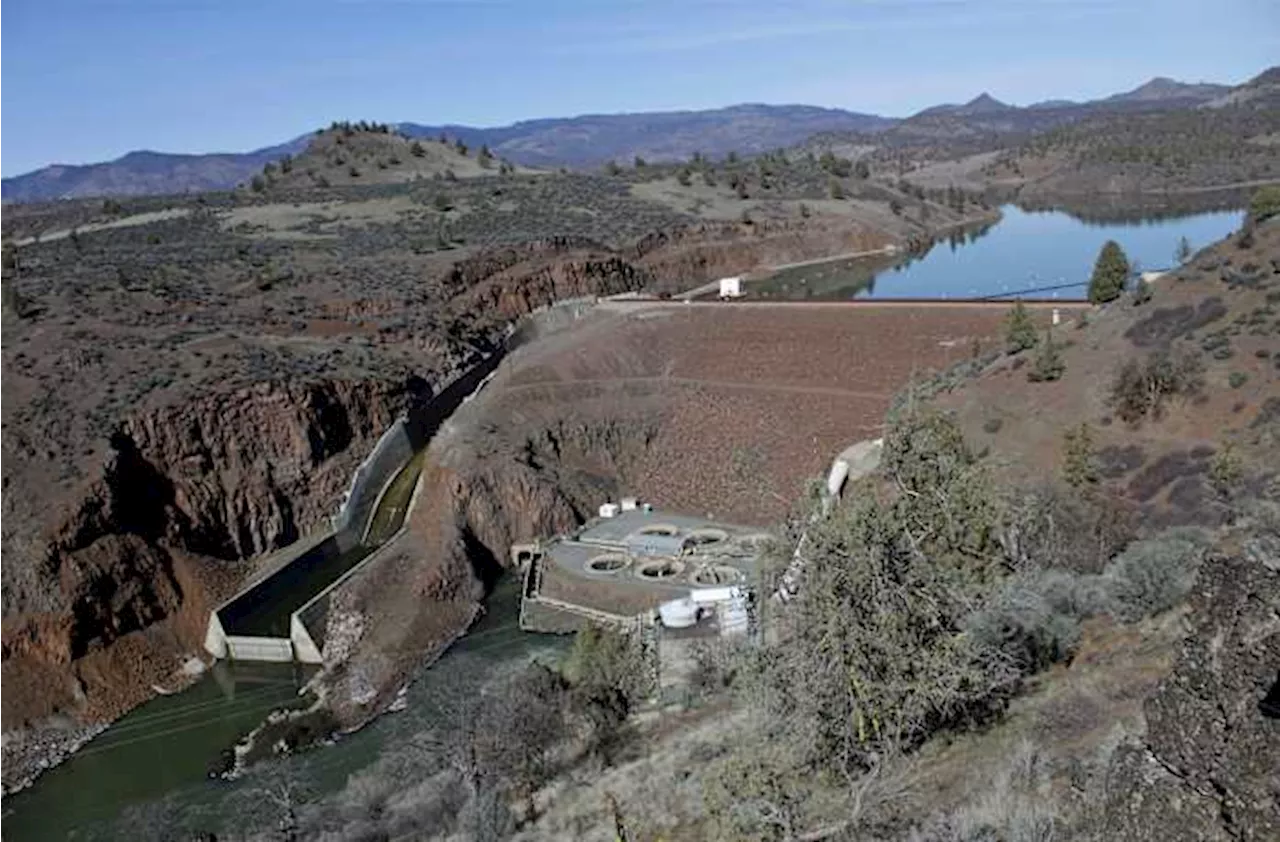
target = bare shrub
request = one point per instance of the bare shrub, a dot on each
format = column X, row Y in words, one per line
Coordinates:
column 1142, row 388
column 1012, row 810
column 1058, row 527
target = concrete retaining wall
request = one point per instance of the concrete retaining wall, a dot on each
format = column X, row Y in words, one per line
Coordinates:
column 350, row 525
column 389, row 455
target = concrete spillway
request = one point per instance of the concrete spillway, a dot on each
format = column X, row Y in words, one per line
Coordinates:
column 279, row 615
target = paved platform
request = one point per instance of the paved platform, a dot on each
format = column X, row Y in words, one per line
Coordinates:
column 649, row 557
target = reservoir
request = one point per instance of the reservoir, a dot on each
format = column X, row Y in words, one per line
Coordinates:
column 1048, row 251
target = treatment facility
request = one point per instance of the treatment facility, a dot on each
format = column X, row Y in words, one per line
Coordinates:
column 634, row 566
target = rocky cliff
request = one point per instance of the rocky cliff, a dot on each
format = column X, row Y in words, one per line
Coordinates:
column 1206, row 769
column 103, row 593
column 220, row 479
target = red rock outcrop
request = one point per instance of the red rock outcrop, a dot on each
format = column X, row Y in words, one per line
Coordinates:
column 223, row 478
column 710, row 250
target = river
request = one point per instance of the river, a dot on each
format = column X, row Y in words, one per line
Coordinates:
column 154, row 761
column 1025, row 250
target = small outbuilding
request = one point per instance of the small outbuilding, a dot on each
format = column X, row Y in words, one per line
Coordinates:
column 731, row 287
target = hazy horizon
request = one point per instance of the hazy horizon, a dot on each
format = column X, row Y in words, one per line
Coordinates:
column 91, row 81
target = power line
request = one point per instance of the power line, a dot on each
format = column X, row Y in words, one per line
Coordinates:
column 1019, row 293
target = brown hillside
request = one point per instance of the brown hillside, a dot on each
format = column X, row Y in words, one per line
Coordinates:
column 1220, row 310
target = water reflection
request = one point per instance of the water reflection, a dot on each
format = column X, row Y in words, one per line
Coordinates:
column 1044, row 253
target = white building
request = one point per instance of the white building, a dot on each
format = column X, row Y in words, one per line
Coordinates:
column 731, row 287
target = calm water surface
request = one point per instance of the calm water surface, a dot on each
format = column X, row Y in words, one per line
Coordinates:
column 156, row 759
column 1024, row 251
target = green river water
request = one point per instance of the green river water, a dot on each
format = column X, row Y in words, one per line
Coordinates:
column 156, row 761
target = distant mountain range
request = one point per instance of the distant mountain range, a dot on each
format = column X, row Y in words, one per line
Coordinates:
column 657, row 136
column 1165, row 90
column 591, row 140
column 145, row 173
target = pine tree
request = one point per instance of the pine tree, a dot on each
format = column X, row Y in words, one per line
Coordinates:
column 1019, row 332
column 1110, row 273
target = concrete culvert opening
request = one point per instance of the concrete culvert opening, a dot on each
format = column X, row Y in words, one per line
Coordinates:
column 659, row 529
column 660, row 568
column 716, row 574
column 607, row 564
column 706, row 537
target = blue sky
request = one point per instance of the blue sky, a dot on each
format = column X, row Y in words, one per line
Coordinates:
column 88, row 80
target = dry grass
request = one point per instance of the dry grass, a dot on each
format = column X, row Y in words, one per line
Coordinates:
column 283, row 218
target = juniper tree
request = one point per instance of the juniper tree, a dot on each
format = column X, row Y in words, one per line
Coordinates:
column 1079, row 458
column 1182, row 253
column 870, row 658
column 1048, row 365
column 1019, row 332
column 1110, row 273
column 9, row 302
column 1141, row 293
column 1264, row 203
